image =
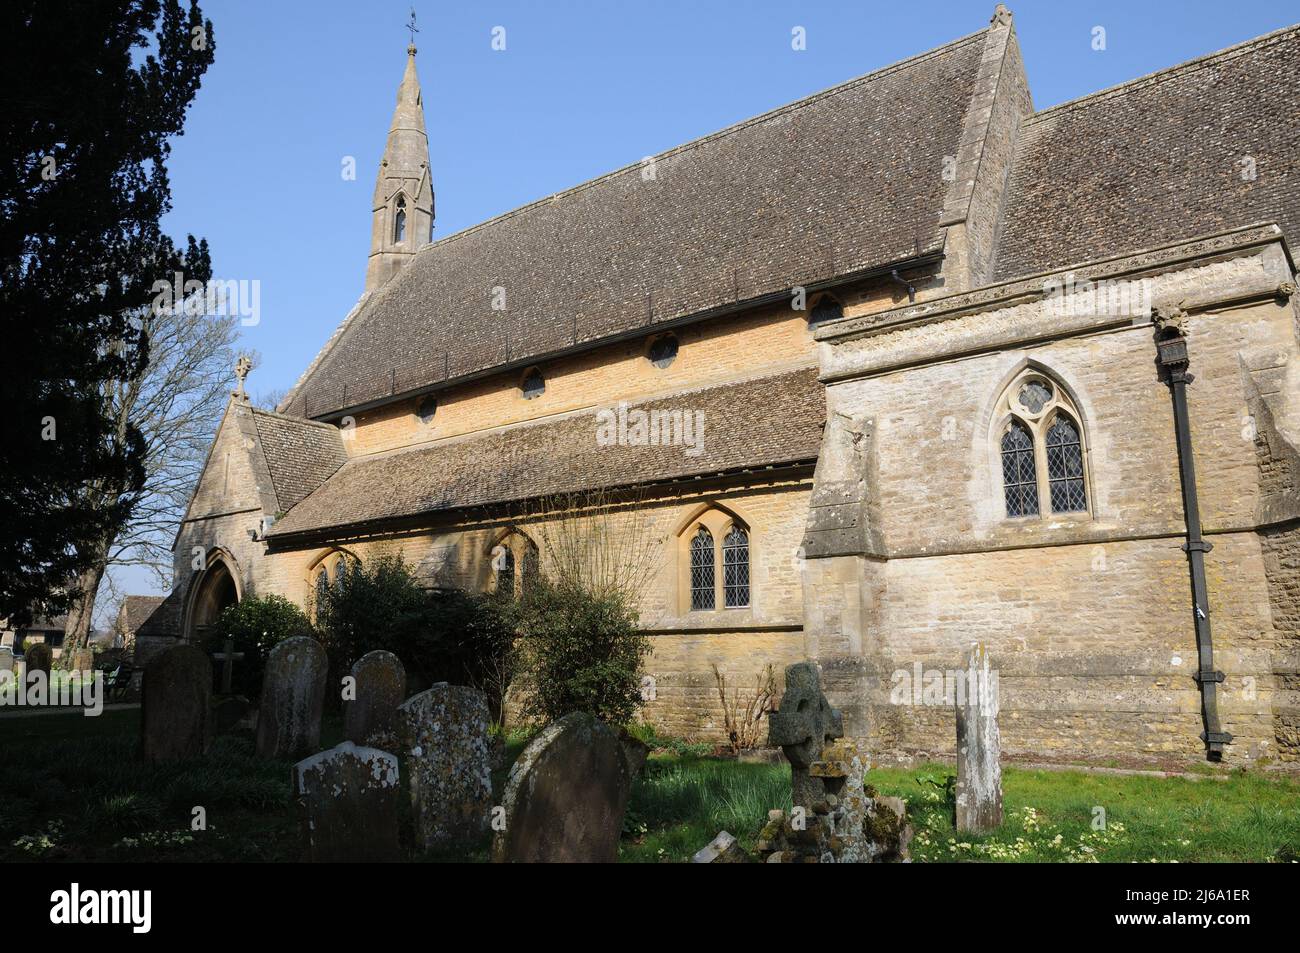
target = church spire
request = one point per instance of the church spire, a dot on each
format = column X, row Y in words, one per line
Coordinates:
column 402, row 217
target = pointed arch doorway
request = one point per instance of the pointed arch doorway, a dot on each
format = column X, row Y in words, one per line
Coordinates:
column 215, row 588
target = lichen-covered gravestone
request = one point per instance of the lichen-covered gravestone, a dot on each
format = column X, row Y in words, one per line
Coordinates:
column 175, row 719
column 380, row 686
column 293, row 693
column 566, row 796
column 445, row 732
column 979, row 747
column 347, row 804
column 836, row 817
column 39, row 658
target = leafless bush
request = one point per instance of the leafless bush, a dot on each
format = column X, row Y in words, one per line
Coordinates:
column 742, row 711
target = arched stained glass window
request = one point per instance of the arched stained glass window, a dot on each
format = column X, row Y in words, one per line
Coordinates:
column 1065, row 466
column 341, row 574
column 322, row 585
column 1019, row 477
column 703, row 574
column 735, row 569
column 399, row 221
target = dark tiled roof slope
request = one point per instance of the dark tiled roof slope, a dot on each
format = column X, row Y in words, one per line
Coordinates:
column 135, row 609
column 754, row 423
column 847, row 179
column 301, row 455
column 1159, row 159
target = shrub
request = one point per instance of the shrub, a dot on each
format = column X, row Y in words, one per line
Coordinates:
column 448, row 636
column 579, row 651
column 255, row 626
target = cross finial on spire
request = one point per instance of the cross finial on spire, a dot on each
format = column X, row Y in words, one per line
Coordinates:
column 242, row 367
column 410, row 25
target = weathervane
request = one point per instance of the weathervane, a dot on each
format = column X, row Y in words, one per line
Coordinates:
column 414, row 30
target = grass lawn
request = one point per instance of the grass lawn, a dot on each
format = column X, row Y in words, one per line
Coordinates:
column 73, row 788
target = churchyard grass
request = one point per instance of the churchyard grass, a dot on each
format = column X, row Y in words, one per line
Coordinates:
column 75, row 788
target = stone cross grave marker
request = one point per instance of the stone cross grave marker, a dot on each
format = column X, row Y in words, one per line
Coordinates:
column 802, row 725
column 228, row 657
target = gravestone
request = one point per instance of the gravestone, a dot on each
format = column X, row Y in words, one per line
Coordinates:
column 83, row 660
column 723, row 849
column 293, row 693
column 371, row 717
column 979, row 747
column 39, row 658
column 836, row 818
column 347, row 801
column 801, row 726
column 566, row 796
column 175, row 720
column 445, row 732
column 6, row 659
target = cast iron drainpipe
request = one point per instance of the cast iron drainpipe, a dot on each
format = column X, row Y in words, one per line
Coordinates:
column 1171, row 345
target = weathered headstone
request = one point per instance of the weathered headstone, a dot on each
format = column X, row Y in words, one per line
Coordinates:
column 293, row 694
column 347, row 801
column 39, row 659
column 836, row 819
column 83, row 660
column 371, row 717
column 175, row 719
column 566, row 796
column 979, row 747
column 445, row 732
column 6, row 659
column 802, row 725
column 723, row 849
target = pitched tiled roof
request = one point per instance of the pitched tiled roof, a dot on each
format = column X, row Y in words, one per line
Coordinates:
column 300, row 454
column 1199, row 148
column 845, row 180
column 751, row 424
column 135, row 609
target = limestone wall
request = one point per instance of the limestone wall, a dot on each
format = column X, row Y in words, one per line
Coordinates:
column 1088, row 616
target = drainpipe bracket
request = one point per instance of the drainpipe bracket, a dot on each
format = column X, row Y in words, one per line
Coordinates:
column 1213, row 738
column 1203, row 677
column 1199, row 546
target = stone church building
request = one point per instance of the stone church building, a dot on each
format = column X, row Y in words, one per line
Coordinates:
column 926, row 355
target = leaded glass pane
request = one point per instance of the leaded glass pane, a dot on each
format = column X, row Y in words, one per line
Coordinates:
column 735, row 569
column 1019, row 478
column 1034, row 396
column 1065, row 467
column 703, row 577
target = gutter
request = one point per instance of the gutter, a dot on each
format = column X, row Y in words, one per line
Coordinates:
column 1173, row 359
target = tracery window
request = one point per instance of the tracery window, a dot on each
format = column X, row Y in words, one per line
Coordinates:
column 715, row 550
column 1042, row 449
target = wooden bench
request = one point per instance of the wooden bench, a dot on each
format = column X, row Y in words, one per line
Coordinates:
column 118, row 680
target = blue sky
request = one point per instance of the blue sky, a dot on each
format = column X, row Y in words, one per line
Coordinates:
column 581, row 88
